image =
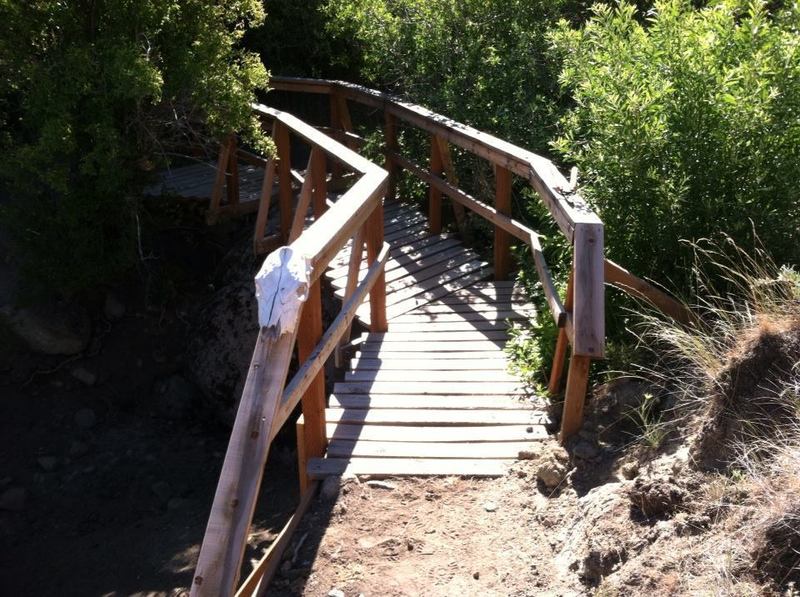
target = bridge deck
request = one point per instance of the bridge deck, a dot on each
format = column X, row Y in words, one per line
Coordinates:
column 433, row 395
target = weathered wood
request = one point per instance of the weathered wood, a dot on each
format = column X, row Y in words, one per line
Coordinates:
column 219, row 180
column 562, row 344
column 234, row 501
column 282, row 143
column 232, row 175
column 269, row 563
column 483, row 434
column 434, row 194
column 362, row 449
column 303, row 201
column 513, row 388
column 356, row 257
column 497, row 363
column 433, row 417
column 377, row 295
column 575, row 396
column 319, row 177
column 263, row 206
column 390, row 467
column 588, row 307
column 390, row 145
column 450, row 171
column 302, row 455
column 502, row 240
column 313, row 365
column 422, row 402
column 638, row 288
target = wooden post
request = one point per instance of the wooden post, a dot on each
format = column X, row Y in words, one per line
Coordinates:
column 377, row 296
column 263, row 207
column 304, row 199
column 219, row 181
column 232, row 176
column 575, row 396
column 319, row 177
column 309, row 334
column 390, row 144
column 356, row 256
column 449, row 170
column 336, row 125
column 302, row 456
column 502, row 239
column 434, row 194
column 282, row 143
column 562, row 343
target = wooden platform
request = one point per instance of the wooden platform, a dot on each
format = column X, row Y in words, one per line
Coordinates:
column 433, row 395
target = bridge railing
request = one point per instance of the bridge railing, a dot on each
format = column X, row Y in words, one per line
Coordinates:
column 290, row 311
column 580, row 316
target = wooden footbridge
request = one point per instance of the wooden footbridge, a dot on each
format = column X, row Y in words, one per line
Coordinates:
column 428, row 391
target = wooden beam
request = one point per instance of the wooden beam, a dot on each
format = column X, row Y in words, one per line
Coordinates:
column 310, row 331
column 377, row 295
column 225, row 538
column 304, row 199
column 638, row 288
column 282, row 143
column 319, row 177
column 562, row 344
column 575, row 396
column 269, row 563
column 356, row 257
column 450, row 172
column 263, row 206
column 502, row 240
column 219, row 181
column 588, row 311
column 390, row 147
column 434, row 194
column 232, row 176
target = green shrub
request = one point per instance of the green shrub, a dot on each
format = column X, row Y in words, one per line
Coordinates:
column 92, row 94
column 686, row 125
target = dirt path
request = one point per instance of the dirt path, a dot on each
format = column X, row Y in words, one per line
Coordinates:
column 440, row 536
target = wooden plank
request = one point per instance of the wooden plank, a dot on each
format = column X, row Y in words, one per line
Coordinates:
column 588, row 309
column 409, row 467
column 477, row 325
column 282, row 143
column 219, row 179
column 562, row 344
column 303, row 201
column 263, row 206
column 404, row 259
column 390, row 146
column 268, row 565
column 450, row 172
column 575, row 396
column 377, row 294
column 438, row 417
column 410, row 401
column 488, row 316
column 225, row 537
column 363, row 449
column 232, row 176
column 430, row 348
column 480, row 434
column 459, row 307
column 434, row 194
column 430, row 375
column 636, row 287
column 394, row 355
column 512, row 388
column 437, row 336
column 499, row 363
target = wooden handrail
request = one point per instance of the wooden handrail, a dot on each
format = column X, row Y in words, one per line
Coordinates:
column 582, row 321
column 267, row 401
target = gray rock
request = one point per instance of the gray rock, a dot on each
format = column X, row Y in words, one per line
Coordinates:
column 84, row 376
column 586, row 450
column 330, row 488
column 176, row 398
column 13, row 499
column 554, row 467
column 113, row 308
column 629, row 470
column 51, row 330
column 335, row 593
column 490, row 507
column 85, row 418
column 381, row 485
column 48, row 463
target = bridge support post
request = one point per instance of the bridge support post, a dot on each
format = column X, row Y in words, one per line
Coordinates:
column 377, row 295
column 390, row 144
column 502, row 239
column 434, row 194
column 282, row 143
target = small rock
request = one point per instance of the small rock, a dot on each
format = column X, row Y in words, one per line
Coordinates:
column 490, row 507
column 335, row 593
column 85, row 418
column 162, row 490
column 657, row 496
column 78, row 449
column 84, row 376
column 587, row 450
column 381, row 485
column 629, row 470
column 48, row 463
column 476, row 575
column 330, row 488
column 554, row 468
column 13, row 499
column 113, row 308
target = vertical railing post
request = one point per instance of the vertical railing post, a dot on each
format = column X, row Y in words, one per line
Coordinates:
column 232, row 174
column 377, row 295
column 588, row 320
column 314, row 432
column 562, row 344
column 336, row 125
column 319, row 171
column 390, row 144
column 282, row 143
column 434, row 195
column 502, row 239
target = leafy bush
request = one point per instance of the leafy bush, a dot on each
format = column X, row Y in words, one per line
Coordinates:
column 92, row 94
column 686, row 125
